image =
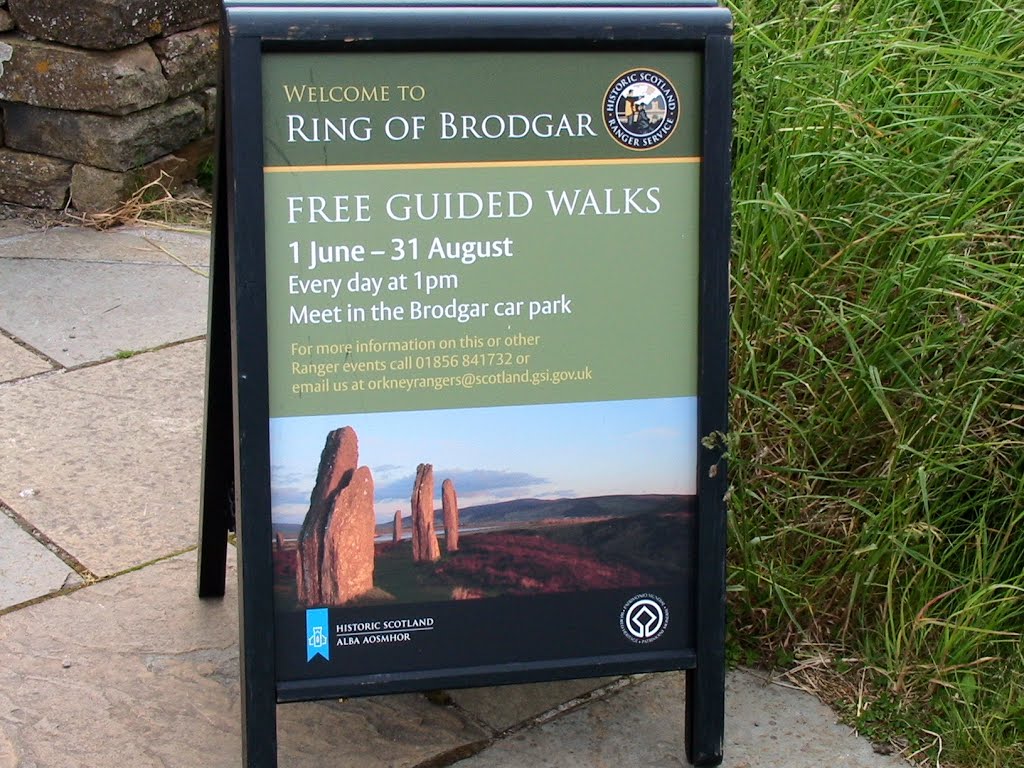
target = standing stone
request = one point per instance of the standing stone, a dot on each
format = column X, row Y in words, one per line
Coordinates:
column 334, row 550
column 450, row 505
column 337, row 465
column 347, row 570
column 425, row 548
column 396, row 535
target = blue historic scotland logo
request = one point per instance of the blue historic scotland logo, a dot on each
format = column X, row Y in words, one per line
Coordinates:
column 318, row 641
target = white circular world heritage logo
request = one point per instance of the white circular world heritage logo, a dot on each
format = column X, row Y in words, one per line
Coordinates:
column 644, row 618
column 641, row 109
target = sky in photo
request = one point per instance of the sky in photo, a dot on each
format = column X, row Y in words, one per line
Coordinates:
column 563, row 450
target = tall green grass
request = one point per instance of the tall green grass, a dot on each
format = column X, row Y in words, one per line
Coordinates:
column 878, row 351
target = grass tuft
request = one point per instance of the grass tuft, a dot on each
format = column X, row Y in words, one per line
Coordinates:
column 878, row 354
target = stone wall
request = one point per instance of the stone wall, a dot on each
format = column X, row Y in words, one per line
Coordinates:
column 100, row 96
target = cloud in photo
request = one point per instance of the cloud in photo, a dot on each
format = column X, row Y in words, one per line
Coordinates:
column 283, row 475
column 290, row 495
column 468, row 482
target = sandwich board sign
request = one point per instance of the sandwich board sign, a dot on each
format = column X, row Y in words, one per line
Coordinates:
column 467, row 374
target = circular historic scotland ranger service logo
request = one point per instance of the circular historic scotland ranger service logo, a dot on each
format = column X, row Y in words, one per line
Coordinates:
column 641, row 109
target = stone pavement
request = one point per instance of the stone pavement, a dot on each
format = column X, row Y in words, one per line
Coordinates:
column 107, row 658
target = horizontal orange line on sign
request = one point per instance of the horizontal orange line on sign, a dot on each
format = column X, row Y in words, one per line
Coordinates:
column 485, row 164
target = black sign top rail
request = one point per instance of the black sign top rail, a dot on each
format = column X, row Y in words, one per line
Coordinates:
column 461, row 20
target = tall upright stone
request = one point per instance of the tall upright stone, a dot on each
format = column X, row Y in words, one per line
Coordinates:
column 450, row 505
column 425, row 548
column 347, row 569
column 335, row 546
column 337, row 464
column 396, row 534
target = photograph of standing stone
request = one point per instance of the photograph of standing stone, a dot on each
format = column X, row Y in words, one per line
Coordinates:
column 527, row 514
column 424, row 540
column 396, row 534
column 335, row 543
column 450, row 506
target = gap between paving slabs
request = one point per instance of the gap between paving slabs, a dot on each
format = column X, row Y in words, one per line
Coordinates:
column 507, row 710
column 19, row 360
column 30, row 567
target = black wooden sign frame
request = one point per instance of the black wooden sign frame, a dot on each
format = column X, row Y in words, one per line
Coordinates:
column 236, row 493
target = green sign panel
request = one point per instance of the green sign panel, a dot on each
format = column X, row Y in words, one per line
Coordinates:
column 457, row 230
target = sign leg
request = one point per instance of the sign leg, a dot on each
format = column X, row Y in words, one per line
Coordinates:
column 705, row 684
column 216, row 516
column 244, row 415
column 705, row 714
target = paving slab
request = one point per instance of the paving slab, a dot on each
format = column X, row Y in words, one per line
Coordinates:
column 13, row 228
column 16, row 361
column 78, row 312
column 767, row 726
column 27, row 568
column 125, row 245
column 111, row 454
column 505, row 707
column 138, row 671
column 184, row 244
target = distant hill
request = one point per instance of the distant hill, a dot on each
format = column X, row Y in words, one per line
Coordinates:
column 536, row 510
column 532, row 510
